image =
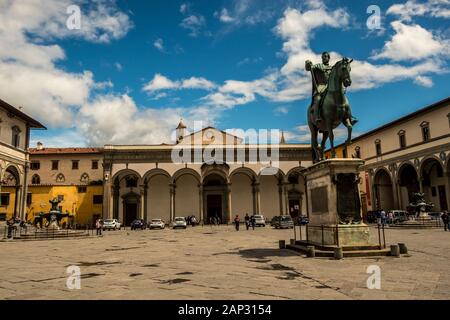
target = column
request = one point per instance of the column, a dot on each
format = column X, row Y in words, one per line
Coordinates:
column 200, row 201
column 280, row 197
column 25, row 193
column 115, row 205
column 286, row 199
column 420, row 183
column 16, row 201
column 172, row 201
column 145, row 203
column 106, row 196
column 395, row 191
column 228, row 193
column 141, row 202
column 257, row 197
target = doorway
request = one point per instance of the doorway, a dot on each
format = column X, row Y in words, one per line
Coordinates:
column 442, row 198
column 130, row 212
column 214, row 207
column 294, row 208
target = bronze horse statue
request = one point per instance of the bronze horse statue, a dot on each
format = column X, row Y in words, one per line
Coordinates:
column 335, row 109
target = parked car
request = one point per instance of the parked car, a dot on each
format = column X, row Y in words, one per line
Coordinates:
column 399, row 215
column 138, row 224
column 179, row 222
column 274, row 221
column 283, row 222
column 301, row 220
column 156, row 224
column 111, row 224
column 259, row 220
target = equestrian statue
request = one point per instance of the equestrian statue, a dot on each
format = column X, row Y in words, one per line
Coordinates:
column 329, row 106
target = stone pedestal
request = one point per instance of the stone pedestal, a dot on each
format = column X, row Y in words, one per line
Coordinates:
column 334, row 204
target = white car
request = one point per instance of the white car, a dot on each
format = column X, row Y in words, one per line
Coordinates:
column 259, row 220
column 179, row 222
column 157, row 224
column 109, row 224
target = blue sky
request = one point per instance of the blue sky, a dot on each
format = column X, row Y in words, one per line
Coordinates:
column 136, row 67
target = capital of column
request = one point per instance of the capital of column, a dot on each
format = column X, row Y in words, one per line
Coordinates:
column 172, row 187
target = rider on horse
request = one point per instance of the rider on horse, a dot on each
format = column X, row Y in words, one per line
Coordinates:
column 320, row 73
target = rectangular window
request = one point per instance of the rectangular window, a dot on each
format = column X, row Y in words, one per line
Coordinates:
column 358, row 153
column 36, row 165
column 82, row 189
column 433, row 191
column 55, row 164
column 75, row 164
column 98, row 199
column 402, row 141
column 378, row 147
column 344, row 153
column 94, row 164
column 29, row 198
column 426, row 133
column 4, row 199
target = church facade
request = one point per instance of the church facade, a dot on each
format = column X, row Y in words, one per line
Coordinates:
column 209, row 173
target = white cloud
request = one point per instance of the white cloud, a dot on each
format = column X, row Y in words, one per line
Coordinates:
column 159, row 44
column 195, row 24
column 411, row 42
column 28, row 74
column 184, row 8
column 281, row 110
column 112, row 119
column 224, row 16
column 118, row 66
column 411, row 8
column 160, row 82
column 424, row 81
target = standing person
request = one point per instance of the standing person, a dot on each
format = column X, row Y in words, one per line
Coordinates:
column 390, row 217
column 383, row 216
column 253, row 222
column 236, row 222
column 446, row 220
column 98, row 226
column 247, row 221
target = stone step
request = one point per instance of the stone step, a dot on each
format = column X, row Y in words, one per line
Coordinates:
column 354, row 253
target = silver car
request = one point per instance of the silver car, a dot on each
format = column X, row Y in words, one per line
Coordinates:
column 259, row 220
column 157, row 224
column 111, row 224
column 179, row 222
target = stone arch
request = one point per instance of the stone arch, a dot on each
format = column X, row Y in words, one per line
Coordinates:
column 122, row 174
column 246, row 171
column 427, row 159
column 408, row 181
column 384, row 194
column 215, row 197
column 434, row 182
column 294, row 192
column 186, row 171
column 11, row 183
column 155, row 172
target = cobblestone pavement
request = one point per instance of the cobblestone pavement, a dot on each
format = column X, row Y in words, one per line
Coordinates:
column 218, row 263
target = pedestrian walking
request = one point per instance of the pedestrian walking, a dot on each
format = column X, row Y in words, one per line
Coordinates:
column 247, row 221
column 390, row 217
column 446, row 220
column 253, row 222
column 236, row 222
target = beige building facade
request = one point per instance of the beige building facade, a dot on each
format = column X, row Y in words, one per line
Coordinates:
column 218, row 175
column 410, row 154
column 15, row 129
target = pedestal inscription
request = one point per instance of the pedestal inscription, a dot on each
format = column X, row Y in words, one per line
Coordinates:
column 319, row 197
